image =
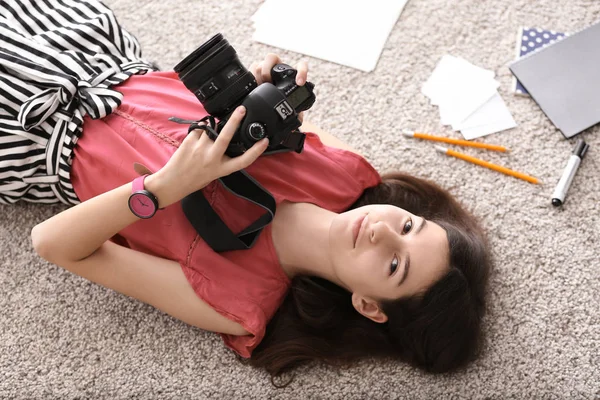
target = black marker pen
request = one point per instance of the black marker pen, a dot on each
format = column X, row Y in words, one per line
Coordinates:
column 560, row 192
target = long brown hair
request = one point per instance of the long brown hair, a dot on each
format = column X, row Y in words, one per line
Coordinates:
column 437, row 331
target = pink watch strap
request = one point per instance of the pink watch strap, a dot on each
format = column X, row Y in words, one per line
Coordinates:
column 138, row 183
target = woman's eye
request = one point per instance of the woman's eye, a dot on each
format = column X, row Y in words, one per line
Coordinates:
column 407, row 227
column 394, row 265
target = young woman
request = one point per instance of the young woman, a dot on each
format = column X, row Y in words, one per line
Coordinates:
column 354, row 264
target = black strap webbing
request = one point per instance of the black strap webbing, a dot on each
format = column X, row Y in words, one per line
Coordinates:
column 211, row 227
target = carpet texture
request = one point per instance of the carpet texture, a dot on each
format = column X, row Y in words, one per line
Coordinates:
column 64, row 338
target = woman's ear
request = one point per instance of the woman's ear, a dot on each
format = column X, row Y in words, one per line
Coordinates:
column 368, row 308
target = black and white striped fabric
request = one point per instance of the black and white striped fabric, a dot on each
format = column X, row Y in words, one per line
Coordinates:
column 58, row 62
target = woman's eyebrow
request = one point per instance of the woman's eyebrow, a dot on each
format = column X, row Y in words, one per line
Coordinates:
column 407, row 264
column 424, row 221
column 406, row 268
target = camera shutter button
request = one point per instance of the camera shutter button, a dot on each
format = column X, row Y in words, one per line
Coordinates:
column 257, row 131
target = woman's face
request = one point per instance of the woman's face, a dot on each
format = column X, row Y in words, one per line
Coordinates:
column 384, row 252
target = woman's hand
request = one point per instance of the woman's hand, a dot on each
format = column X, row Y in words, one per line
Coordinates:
column 199, row 160
column 262, row 72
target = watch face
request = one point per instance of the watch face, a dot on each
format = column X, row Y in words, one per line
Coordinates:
column 141, row 205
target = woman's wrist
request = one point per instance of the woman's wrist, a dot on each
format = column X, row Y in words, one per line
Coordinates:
column 164, row 189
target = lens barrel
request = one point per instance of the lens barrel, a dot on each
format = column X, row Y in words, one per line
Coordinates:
column 214, row 73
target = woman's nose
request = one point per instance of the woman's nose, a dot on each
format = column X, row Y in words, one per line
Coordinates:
column 382, row 232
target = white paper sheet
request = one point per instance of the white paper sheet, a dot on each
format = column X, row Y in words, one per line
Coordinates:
column 467, row 98
column 351, row 33
column 493, row 110
column 490, row 118
column 456, row 109
column 450, row 74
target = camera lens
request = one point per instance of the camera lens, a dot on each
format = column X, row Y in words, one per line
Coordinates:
column 214, row 73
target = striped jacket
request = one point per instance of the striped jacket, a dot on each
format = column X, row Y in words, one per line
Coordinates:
column 58, row 62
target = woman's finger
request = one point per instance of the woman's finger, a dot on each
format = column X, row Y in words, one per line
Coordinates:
column 204, row 139
column 302, row 73
column 193, row 136
column 228, row 130
column 252, row 70
column 267, row 65
column 197, row 135
column 246, row 159
column 255, row 68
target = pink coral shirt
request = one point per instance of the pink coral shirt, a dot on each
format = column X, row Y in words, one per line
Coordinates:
column 246, row 286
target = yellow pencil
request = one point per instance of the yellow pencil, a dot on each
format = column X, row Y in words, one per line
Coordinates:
column 487, row 164
column 426, row 136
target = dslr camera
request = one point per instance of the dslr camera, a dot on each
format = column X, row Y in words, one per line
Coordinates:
column 214, row 73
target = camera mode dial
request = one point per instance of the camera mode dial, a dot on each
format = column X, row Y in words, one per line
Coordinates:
column 282, row 71
column 257, row 131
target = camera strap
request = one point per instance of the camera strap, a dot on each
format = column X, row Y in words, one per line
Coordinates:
column 211, row 227
column 205, row 219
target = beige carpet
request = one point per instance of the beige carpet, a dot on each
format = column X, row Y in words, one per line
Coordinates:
column 64, row 338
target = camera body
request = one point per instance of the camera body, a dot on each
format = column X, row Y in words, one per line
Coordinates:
column 221, row 83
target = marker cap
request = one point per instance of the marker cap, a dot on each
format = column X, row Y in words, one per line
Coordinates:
column 581, row 147
column 560, row 192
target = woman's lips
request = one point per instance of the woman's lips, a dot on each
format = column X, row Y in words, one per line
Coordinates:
column 357, row 227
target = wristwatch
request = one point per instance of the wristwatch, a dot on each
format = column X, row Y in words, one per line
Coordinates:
column 142, row 203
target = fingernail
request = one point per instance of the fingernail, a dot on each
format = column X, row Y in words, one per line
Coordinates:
column 300, row 81
column 242, row 110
